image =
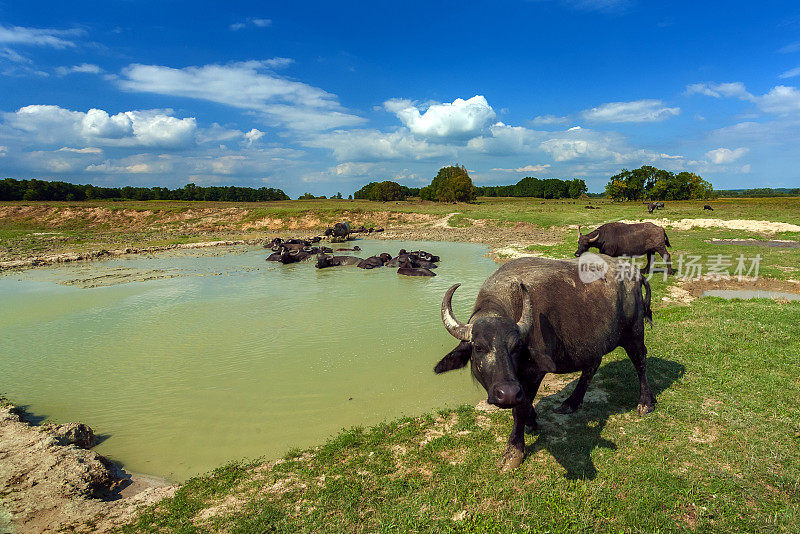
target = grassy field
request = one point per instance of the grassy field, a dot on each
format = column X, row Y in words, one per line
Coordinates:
column 720, row 453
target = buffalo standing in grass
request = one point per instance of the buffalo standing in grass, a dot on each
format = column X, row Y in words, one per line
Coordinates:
column 622, row 239
column 535, row 316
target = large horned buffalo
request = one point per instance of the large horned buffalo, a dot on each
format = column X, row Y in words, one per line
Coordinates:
column 535, row 316
column 622, row 239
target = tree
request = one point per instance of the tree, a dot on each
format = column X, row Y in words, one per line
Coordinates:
column 650, row 183
column 451, row 184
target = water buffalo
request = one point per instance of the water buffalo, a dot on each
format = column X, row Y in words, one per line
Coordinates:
column 535, row 316
column 354, row 249
column 621, row 239
column 340, row 230
column 375, row 261
column 323, row 261
column 707, row 207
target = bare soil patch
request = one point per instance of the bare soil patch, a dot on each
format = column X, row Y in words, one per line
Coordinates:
column 748, row 225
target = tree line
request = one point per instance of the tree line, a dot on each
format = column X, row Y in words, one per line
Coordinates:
column 453, row 184
column 11, row 189
column 650, row 183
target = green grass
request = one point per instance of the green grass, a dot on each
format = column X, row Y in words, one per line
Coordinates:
column 721, row 453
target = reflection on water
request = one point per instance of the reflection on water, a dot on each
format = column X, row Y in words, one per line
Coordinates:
column 188, row 360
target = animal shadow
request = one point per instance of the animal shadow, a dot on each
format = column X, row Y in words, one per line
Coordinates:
column 614, row 390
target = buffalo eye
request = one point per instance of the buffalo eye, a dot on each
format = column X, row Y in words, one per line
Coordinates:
column 480, row 349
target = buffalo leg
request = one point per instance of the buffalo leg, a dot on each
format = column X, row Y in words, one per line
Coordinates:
column 667, row 259
column 515, row 449
column 576, row 399
column 646, row 269
column 637, row 352
column 531, row 387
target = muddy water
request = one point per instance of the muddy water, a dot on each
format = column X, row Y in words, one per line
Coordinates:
column 185, row 360
column 750, row 294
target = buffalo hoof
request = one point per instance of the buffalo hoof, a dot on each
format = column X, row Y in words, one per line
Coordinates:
column 566, row 408
column 511, row 459
column 644, row 409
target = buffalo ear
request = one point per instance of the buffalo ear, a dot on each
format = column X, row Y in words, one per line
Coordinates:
column 455, row 359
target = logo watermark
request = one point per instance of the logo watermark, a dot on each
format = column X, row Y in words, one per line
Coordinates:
column 694, row 267
column 591, row 267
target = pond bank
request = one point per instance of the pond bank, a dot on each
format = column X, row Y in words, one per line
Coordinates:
column 51, row 481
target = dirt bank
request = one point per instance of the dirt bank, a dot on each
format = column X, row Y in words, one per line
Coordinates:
column 51, row 482
column 67, row 257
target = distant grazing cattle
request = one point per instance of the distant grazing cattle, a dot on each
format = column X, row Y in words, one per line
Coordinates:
column 621, row 239
column 707, row 207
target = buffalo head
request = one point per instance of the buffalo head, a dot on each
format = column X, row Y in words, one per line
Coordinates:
column 586, row 241
column 494, row 346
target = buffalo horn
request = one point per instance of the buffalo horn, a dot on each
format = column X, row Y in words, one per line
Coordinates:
column 457, row 329
column 595, row 238
column 526, row 318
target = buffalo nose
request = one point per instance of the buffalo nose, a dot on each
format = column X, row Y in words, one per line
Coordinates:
column 507, row 394
column 577, row 254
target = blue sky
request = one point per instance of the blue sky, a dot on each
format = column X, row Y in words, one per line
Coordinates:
column 327, row 96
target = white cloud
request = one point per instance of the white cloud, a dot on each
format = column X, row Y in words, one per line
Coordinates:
column 253, row 136
column 38, row 36
column 546, row 120
column 251, row 22
column 53, row 124
column 721, row 156
column 83, row 68
column 636, row 111
column 248, row 85
column 781, row 99
column 350, row 169
column 526, row 168
column 461, row 118
column 87, row 150
column 791, row 73
column 3, row 151
column 374, row 145
column 718, row 90
column 14, row 56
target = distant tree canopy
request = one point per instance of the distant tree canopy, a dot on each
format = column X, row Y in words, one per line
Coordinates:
column 11, row 189
column 535, row 187
column 451, row 184
column 649, row 183
column 311, row 196
column 761, row 192
column 385, row 191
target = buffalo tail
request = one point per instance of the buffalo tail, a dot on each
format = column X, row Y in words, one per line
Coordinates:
column 666, row 240
column 648, row 313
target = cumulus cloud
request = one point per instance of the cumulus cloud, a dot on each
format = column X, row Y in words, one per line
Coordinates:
column 83, row 68
column 53, row 124
column 249, row 85
column 3, row 151
column 253, row 136
column 636, row 111
column 721, row 156
column 461, row 118
column 374, row 145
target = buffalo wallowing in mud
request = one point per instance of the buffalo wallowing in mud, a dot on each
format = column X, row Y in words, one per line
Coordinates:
column 622, row 239
column 535, row 316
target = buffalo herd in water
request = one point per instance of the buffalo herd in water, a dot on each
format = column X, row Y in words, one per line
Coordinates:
column 415, row 263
